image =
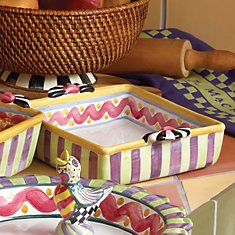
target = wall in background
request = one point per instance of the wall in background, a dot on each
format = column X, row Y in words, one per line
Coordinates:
column 154, row 15
column 211, row 20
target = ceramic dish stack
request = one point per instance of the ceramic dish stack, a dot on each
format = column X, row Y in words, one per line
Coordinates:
column 125, row 134
column 18, row 143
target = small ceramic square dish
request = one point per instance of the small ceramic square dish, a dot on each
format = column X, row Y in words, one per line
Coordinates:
column 18, row 142
column 125, row 134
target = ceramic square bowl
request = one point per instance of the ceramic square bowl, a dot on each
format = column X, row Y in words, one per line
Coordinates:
column 18, row 143
column 108, row 131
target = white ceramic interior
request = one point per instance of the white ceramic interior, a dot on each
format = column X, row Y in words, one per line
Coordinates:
column 113, row 134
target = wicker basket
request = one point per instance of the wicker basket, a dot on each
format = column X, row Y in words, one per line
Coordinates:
column 68, row 42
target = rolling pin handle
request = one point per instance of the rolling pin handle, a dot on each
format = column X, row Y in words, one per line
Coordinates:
column 217, row 60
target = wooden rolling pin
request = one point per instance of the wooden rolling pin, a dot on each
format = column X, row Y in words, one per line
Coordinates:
column 170, row 57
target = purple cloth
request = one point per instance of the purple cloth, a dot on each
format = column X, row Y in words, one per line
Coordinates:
column 220, row 86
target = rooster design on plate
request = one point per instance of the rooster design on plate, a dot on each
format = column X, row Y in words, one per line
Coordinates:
column 74, row 202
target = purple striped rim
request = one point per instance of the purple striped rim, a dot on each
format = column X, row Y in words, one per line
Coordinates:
column 173, row 215
column 93, row 165
column 11, row 156
column 210, row 149
column 150, row 198
column 175, row 160
column 86, row 182
column 47, row 146
column 55, row 180
column 107, row 184
column 193, row 153
column 135, row 165
column 76, row 151
column 5, row 182
column 115, row 165
column 132, row 190
column 156, row 160
column 31, row 180
column 1, row 152
column 60, row 147
column 180, row 225
column 25, row 151
column 165, row 206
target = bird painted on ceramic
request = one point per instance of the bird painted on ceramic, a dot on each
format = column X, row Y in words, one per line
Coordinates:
column 74, row 202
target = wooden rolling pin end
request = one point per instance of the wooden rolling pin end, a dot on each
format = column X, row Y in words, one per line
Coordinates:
column 217, row 60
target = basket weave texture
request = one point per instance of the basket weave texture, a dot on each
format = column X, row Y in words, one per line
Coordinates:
column 68, row 42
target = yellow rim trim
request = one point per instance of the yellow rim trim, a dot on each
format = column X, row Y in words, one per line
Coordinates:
column 211, row 125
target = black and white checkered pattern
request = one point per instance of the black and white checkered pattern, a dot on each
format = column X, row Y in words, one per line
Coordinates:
column 81, row 214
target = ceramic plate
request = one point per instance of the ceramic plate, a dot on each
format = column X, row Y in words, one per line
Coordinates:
column 27, row 207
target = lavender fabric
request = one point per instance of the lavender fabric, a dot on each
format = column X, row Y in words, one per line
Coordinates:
column 207, row 92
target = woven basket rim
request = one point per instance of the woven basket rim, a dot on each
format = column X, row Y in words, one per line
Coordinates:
column 98, row 11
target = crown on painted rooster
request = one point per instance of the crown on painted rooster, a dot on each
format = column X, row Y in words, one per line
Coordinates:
column 68, row 168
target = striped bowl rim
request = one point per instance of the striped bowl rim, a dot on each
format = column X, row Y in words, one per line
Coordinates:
column 176, row 223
